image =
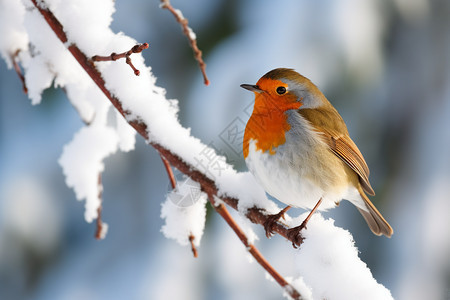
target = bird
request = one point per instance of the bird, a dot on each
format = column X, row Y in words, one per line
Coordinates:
column 298, row 148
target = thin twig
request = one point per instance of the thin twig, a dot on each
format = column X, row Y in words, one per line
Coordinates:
column 173, row 183
column 194, row 249
column 100, row 232
column 169, row 170
column 189, row 33
column 18, row 70
column 223, row 211
column 114, row 56
column 255, row 215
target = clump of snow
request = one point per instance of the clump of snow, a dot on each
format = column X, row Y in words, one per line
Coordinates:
column 244, row 186
column 86, row 21
column 38, row 77
column 328, row 263
column 82, row 164
column 300, row 286
column 126, row 134
column 247, row 228
column 12, row 31
column 192, row 34
column 103, row 231
column 184, row 212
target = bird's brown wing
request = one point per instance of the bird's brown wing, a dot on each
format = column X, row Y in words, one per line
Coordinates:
column 344, row 148
column 329, row 124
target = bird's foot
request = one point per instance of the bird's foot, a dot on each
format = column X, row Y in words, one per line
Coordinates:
column 294, row 235
column 272, row 220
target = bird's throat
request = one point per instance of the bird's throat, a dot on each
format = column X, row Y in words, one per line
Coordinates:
column 267, row 126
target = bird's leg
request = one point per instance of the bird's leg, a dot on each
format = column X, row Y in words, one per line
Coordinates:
column 294, row 233
column 273, row 219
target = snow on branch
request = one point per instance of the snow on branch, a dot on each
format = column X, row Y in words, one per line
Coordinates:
column 184, row 164
column 207, row 185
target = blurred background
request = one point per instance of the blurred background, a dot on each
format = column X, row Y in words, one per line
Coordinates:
column 385, row 65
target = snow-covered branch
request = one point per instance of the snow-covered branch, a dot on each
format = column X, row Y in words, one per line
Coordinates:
column 207, row 185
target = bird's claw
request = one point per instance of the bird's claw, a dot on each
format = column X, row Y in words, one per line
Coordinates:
column 271, row 221
column 294, row 235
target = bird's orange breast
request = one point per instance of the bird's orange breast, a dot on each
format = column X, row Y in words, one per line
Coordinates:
column 268, row 123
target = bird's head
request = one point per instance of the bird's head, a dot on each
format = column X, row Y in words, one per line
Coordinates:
column 286, row 89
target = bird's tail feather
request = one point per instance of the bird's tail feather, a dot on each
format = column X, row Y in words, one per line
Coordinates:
column 374, row 219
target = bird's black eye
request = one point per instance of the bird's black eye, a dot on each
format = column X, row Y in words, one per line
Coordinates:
column 281, row 90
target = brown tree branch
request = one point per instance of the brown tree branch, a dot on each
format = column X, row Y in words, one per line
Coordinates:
column 255, row 215
column 165, row 4
column 114, row 56
column 223, row 211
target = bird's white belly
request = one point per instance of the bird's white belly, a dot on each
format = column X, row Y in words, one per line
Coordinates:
column 293, row 182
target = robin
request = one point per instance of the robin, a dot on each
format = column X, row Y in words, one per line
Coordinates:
column 298, row 148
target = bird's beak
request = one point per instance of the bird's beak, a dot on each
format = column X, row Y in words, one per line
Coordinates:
column 251, row 87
